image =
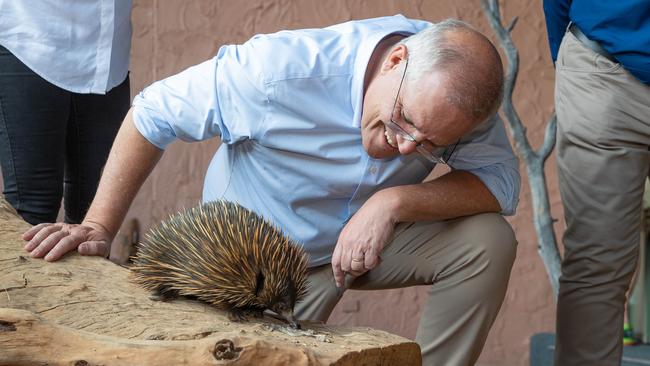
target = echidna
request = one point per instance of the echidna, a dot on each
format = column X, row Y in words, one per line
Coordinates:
column 226, row 255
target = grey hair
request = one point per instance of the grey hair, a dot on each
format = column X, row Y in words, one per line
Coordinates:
column 476, row 84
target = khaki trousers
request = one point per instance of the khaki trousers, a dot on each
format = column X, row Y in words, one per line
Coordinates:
column 603, row 159
column 466, row 261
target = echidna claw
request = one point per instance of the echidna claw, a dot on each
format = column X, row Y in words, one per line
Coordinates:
column 158, row 298
column 236, row 315
column 255, row 313
column 164, row 295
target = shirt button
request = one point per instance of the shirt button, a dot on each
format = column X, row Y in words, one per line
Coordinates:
column 373, row 169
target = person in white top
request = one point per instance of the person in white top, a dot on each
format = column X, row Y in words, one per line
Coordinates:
column 64, row 91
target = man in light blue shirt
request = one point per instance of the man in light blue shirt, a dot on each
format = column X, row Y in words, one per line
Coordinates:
column 329, row 133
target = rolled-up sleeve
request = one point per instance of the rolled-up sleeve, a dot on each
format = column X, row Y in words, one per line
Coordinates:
column 487, row 153
column 223, row 96
column 183, row 106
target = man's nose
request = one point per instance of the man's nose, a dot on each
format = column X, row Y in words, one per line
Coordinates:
column 406, row 146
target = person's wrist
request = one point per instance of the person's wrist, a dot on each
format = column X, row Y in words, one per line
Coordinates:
column 98, row 226
column 389, row 201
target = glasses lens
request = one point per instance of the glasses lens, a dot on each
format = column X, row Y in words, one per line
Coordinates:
column 432, row 152
column 399, row 130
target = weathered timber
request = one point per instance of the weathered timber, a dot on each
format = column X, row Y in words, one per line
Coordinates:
column 86, row 311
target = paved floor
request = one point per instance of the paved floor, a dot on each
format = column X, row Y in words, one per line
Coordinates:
column 542, row 346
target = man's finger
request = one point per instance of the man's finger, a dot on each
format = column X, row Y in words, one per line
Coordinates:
column 40, row 236
column 345, row 261
column 29, row 234
column 47, row 244
column 357, row 265
column 65, row 245
column 357, row 273
column 336, row 265
column 99, row 248
column 371, row 260
column 339, row 276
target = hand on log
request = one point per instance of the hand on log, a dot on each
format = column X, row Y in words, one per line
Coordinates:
column 51, row 241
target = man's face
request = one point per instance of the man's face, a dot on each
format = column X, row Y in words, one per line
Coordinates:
column 422, row 110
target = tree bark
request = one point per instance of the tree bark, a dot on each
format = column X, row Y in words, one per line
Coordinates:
column 533, row 159
column 85, row 311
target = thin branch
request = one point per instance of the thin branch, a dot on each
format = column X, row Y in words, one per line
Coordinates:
column 534, row 160
column 549, row 138
column 512, row 24
column 517, row 129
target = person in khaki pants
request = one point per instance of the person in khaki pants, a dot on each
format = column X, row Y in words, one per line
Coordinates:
column 330, row 134
column 602, row 97
column 466, row 261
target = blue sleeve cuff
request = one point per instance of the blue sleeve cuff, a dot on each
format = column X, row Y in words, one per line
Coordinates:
column 504, row 183
column 150, row 124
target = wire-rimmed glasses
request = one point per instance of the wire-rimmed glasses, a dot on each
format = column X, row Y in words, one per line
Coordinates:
column 433, row 153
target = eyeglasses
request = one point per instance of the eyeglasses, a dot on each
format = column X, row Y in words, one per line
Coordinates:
column 433, row 153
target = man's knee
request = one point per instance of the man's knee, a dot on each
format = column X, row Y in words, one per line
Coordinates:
column 491, row 245
column 493, row 235
column 608, row 277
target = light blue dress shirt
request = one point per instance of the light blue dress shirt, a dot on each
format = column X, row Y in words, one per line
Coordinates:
column 288, row 109
column 79, row 46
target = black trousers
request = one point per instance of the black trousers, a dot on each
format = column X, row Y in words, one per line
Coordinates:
column 53, row 142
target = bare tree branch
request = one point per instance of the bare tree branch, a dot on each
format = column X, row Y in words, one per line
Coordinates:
column 549, row 138
column 533, row 160
column 512, row 24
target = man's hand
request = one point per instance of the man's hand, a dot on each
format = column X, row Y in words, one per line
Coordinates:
column 362, row 240
column 52, row 241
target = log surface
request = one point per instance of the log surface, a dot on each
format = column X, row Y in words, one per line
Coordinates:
column 85, row 311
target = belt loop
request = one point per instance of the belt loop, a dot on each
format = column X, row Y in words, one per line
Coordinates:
column 592, row 45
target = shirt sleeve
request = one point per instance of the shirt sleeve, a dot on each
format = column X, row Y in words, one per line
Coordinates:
column 486, row 153
column 215, row 98
column 557, row 20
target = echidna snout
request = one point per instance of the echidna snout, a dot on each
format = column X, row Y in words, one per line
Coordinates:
column 284, row 305
column 286, row 311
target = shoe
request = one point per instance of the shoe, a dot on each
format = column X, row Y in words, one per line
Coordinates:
column 628, row 335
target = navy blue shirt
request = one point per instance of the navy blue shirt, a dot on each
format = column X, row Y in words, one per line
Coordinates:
column 622, row 27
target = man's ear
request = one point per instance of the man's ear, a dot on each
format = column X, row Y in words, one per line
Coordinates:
column 397, row 55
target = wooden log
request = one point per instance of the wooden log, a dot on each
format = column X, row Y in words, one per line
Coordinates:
column 86, row 311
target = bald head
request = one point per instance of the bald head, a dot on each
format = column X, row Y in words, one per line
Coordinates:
column 467, row 62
